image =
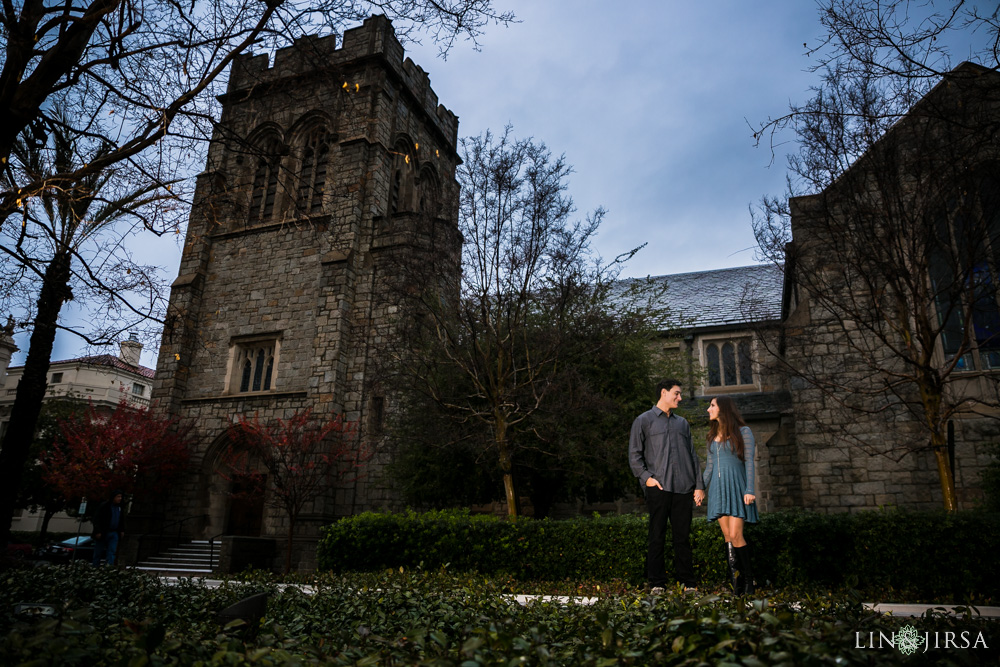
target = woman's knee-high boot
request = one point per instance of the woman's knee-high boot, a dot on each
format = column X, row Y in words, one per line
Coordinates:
column 735, row 580
column 745, row 565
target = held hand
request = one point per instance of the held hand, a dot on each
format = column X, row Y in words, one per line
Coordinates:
column 748, row 498
column 699, row 497
column 652, row 482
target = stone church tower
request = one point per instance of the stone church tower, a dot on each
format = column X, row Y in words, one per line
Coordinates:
column 330, row 172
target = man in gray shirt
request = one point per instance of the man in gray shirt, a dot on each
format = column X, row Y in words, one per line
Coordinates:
column 662, row 456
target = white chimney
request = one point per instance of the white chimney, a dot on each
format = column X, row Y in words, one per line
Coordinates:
column 130, row 350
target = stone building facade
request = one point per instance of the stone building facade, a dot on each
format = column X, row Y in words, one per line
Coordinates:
column 858, row 442
column 331, row 175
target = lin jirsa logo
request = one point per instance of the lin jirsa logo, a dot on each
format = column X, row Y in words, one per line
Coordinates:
column 909, row 640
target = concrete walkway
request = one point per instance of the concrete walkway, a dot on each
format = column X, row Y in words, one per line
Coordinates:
column 888, row 608
column 919, row 609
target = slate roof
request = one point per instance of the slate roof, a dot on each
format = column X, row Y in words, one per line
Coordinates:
column 724, row 296
column 103, row 360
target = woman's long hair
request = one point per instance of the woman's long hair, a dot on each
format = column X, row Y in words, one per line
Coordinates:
column 728, row 425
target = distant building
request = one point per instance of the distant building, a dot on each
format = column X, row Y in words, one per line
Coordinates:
column 102, row 379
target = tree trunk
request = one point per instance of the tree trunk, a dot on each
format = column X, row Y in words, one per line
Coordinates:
column 507, row 468
column 46, row 518
column 288, row 544
column 31, row 388
column 945, row 474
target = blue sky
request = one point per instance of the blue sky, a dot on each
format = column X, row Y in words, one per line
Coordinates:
column 649, row 100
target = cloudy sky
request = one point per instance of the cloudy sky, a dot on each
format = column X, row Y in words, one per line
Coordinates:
column 651, row 101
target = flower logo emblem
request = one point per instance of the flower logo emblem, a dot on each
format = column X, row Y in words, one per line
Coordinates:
column 908, row 640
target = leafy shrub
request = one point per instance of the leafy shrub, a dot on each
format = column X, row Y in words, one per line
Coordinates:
column 911, row 555
column 110, row 616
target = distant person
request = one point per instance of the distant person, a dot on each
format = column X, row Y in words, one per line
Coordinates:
column 109, row 528
column 661, row 455
column 729, row 477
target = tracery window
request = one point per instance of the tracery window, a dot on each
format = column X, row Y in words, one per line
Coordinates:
column 312, row 177
column 253, row 366
column 729, row 363
column 965, row 273
column 265, row 183
column 401, row 183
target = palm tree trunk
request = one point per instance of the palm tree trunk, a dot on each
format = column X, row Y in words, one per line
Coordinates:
column 54, row 293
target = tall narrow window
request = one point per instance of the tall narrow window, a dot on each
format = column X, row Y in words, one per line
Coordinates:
column 312, row 177
column 714, row 375
column 265, row 183
column 245, row 377
column 746, row 365
column 965, row 273
column 729, row 363
column 258, row 371
column 397, row 181
column 376, row 415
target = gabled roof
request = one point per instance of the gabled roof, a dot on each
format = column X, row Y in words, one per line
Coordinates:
column 736, row 296
column 109, row 360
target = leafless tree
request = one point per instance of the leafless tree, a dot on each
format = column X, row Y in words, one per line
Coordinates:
column 135, row 82
column 891, row 255
column 530, row 284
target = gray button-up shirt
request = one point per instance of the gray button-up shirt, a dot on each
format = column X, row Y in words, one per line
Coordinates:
column 660, row 447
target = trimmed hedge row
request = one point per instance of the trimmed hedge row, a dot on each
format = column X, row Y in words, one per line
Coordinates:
column 113, row 616
column 909, row 555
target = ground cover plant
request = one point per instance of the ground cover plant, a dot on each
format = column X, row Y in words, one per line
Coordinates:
column 114, row 616
column 933, row 557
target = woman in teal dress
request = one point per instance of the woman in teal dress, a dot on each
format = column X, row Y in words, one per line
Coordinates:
column 729, row 478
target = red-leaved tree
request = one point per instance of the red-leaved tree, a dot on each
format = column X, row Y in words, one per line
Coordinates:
column 131, row 448
column 292, row 461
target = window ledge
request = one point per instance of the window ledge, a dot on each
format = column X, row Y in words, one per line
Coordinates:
column 246, row 395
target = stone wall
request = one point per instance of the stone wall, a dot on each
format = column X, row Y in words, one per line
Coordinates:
column 319, row 286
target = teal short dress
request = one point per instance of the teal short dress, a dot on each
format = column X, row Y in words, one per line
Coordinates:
column 727, row 479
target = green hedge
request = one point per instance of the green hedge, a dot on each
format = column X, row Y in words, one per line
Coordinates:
column 910, row 555
column 114, row 616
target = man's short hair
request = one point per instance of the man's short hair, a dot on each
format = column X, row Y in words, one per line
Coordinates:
column 668, row 384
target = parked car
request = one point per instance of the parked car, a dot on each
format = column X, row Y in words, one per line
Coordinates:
column 63, row 552
column 19, row 551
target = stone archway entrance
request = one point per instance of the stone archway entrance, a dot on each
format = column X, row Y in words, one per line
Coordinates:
column 246, row 511
column 234, row 506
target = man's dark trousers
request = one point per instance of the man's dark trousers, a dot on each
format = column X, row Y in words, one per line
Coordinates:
column 676, row 508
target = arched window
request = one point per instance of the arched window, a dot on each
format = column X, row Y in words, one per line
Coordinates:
column 745, row 362
column 714, row 376
column 312, row 177
column 402, row 181
column 965, row 271
column 265, row 182
column 729, row 363
column 427, row 189
column 245, row 380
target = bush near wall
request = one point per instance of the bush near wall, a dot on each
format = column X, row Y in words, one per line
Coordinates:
column 908, row 555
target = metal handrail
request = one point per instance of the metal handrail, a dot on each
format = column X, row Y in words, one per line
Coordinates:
column 211, row 550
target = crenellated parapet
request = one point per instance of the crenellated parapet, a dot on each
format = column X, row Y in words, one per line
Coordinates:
column 310, row 54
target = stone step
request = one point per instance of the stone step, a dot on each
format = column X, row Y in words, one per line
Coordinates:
column 175, row 571
column 164, row 558
column 192, row 559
